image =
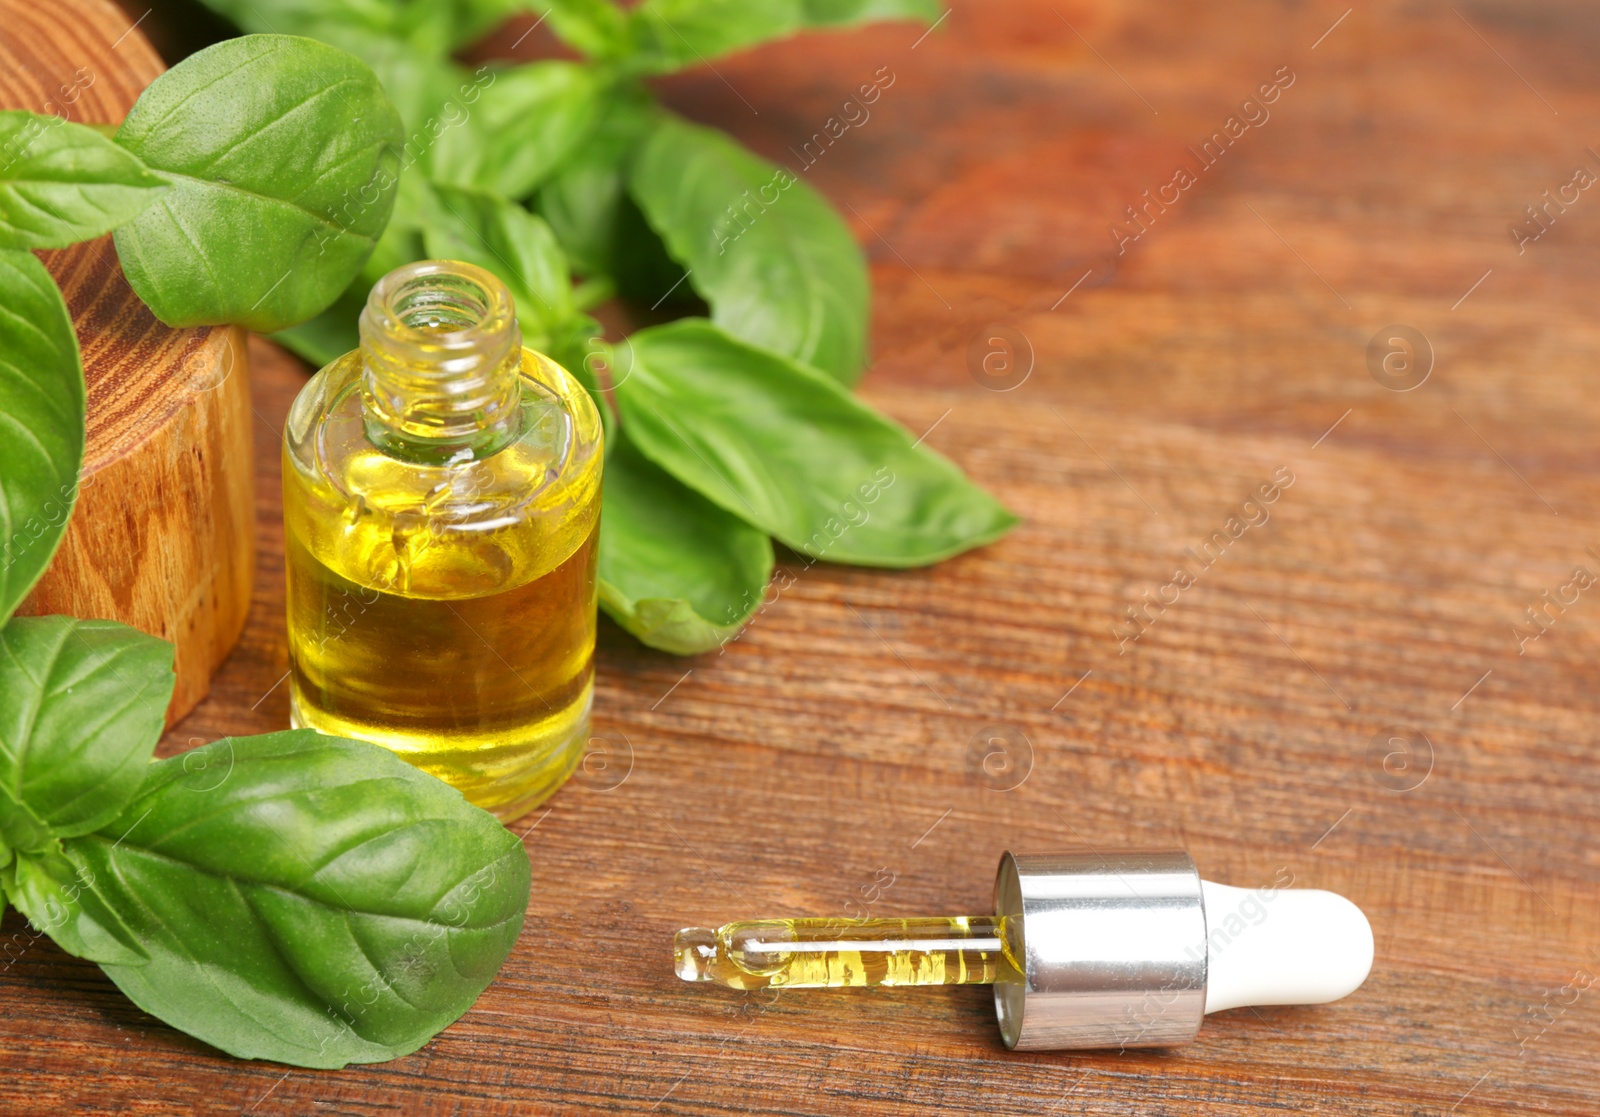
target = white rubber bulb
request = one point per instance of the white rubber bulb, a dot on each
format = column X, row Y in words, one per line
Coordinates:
column 1282, row 946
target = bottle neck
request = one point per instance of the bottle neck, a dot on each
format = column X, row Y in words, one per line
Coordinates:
column 441, row 359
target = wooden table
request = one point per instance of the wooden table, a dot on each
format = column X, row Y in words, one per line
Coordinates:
column 831, row 746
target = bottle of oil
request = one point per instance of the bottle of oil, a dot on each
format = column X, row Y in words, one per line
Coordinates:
column 441, row 491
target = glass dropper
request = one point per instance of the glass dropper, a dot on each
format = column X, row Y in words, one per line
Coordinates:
column 1121, row 949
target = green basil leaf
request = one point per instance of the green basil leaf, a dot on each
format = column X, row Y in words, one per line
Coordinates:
column 778, row 267
column 836, row 13
column 672, row 34
column 20, row 829
column 501, row 129
column 600, row 227
column 677, row 571
column 41, row 422
column 57, row 895
column 417, row 79
column 460, row 224
column 416, row 207
column 491, row 127
column 594, row 27
column 473, row 19
column 439, row 27
column 575, row 347
column 788, row 450
column 283, row 154
column 82, row 704
column 584, row 200
column 515, row 245
column 307, row 899
column 519, row 126
column 61, row 183
column 300, row 17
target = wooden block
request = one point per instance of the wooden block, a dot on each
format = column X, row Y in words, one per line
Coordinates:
column 163, row 537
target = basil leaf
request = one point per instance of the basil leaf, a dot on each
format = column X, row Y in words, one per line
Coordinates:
column 584, row 200
column 778, row 267
column 20, row 828
column 301, row 17
column 600, row 226
column 41, row 422
column 497, row 128
column 446, row 222
column 512, row 243
column 307, row 899
column 835, row 13
column 575, row 347
column 677, row 571
column 57, row 895
column 788, row 450
column 429, row 25
column 672, row 34
column 61, row 183
column 82, row 704
column 417, row 79
column 471, row 20
column 518, row 127
column 416, row 207
column 282, row 154
column 593, row 27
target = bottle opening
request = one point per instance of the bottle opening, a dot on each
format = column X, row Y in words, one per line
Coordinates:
column 441, row 356
column 437, row 302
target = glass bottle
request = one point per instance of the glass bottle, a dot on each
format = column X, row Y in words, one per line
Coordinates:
column 441, row 491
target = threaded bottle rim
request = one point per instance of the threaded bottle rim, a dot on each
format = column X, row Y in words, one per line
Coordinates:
column 441, row 358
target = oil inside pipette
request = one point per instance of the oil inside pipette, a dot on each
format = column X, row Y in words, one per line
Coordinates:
column 840, row 953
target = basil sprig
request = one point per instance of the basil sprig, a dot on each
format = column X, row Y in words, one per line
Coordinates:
column 254, row 183
column 723, row 435
column 295, row 897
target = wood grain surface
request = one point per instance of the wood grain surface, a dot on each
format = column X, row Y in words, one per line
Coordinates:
column 832, row 745
column 162, row 537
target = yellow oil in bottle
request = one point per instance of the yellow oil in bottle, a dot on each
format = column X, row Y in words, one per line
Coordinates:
column 838, row 953
column 441, row 511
